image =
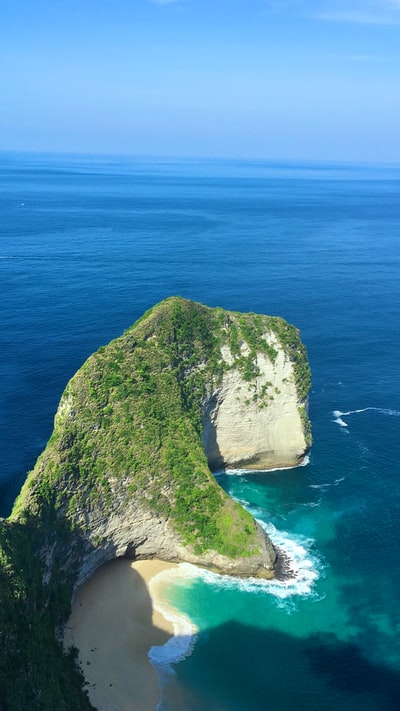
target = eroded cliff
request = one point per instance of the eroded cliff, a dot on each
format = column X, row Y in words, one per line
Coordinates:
column 256, row 424
column 127, row 472
column 127, row 469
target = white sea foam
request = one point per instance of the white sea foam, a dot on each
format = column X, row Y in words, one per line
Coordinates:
column 305, row 569
column 181, row 644
column 338, row 414
column 305, row 461
column 243, row 472
column 243, row 502
column 327, row 485
column 304, row 565
column 341, row 422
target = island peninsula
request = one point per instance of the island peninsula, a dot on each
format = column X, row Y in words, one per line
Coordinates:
column 128, row 469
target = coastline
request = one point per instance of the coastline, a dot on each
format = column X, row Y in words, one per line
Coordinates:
column 114, row 623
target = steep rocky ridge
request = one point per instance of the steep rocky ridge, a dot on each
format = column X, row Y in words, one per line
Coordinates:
column 126, row 467
column 126, row 471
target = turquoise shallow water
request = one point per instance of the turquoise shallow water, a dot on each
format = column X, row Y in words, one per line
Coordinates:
column 327, row 639
column 88, row 243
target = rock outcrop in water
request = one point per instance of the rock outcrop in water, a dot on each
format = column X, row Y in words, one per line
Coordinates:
column 126, row 471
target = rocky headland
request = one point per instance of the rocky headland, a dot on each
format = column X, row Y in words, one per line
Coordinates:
column 128, row 469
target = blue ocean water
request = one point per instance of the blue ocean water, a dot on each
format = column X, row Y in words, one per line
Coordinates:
column 89, row 243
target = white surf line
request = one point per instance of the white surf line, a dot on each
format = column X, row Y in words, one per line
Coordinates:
column 305, row 569
column 180, row 645
column 243, row 472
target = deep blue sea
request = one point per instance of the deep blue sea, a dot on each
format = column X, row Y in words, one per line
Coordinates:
column 88, row 243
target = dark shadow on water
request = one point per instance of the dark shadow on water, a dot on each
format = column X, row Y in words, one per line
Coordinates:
column 240, row 668
column 346, row 669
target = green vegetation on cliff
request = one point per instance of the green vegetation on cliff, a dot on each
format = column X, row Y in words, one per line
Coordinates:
column 133, row 414
column 35, row 675
column 128, row 427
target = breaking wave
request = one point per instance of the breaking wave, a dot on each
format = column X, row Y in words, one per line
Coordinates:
column 180, row 645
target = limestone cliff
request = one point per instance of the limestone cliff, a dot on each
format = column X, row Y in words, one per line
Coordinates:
column 126, row 470
column 257, row 425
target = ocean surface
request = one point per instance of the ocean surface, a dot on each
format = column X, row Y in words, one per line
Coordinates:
column 86, row 245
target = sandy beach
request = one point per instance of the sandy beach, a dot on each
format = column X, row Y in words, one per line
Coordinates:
column 114, row 624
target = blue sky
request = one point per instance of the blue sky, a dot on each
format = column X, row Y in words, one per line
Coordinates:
column 301, row 79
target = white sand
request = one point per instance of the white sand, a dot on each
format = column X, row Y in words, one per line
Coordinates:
column 113, row 624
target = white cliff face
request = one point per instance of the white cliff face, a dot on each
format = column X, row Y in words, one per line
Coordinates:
column 256, row 425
